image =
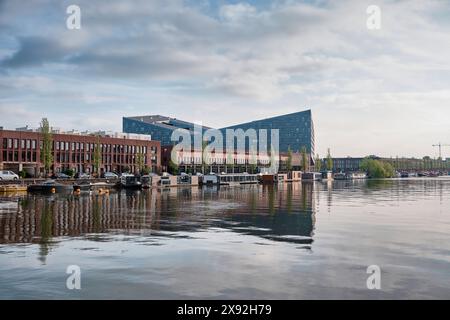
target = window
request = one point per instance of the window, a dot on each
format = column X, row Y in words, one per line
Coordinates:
column 28, row 144
column 22, row 144
column 9, row 143
column 33, row 144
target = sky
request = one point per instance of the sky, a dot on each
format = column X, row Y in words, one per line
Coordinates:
column 384, row 92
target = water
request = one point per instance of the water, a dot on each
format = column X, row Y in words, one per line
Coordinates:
column 293, row 241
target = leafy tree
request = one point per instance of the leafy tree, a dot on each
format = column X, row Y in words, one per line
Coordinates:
column 146, row 170
column 230, row 162
column 305, row 162
column 23, row 174
column 46, row 149
column 97, row 157
column 377, row 168
column 329, row 161
column 289, row 159
column 204, row 155
column 318, row 163
column 140, row 161
column 173, row 168
column 70, row 172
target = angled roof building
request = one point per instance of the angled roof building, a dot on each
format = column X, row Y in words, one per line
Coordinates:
column 296, row 130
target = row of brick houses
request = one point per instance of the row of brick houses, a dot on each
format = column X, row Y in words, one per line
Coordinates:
column 21, row 150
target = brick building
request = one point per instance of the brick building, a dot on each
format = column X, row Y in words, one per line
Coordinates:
column 20, row 150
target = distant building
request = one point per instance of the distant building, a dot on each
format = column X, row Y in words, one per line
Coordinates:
column 20, row 150
column 351, row 164
column 347, row 164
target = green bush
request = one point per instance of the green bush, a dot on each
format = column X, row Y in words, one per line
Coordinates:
column 23, row 174
column 377, row 169
column 70, row 172
column 146, row 170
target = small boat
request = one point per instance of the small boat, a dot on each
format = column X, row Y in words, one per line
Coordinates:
column 129, row 181
column 340, row 176
column 49, row 186
column 82, row 186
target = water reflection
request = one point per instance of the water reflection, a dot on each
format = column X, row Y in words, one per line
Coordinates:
column 279, row 213
column 292, row 241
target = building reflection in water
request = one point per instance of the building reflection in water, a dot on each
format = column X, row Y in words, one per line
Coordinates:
column 277, row 213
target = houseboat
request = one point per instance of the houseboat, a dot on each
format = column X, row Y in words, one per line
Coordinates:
column 312, row 176
column 356, row 175
column 237, row 179
column 340, row 176
column 165, row 181
column 129, row 181
column 268, row 178
column 229, row 179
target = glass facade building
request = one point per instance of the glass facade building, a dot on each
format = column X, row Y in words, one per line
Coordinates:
column 296, row 130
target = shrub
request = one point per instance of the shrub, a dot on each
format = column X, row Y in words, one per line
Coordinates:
column 377, row 169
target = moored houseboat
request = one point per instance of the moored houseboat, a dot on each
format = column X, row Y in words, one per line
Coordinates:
column 268, row 178
column 340, row 176
column 356, row 175
column 312, row 176
column 129, row 181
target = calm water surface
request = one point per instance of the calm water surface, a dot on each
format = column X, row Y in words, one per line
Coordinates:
column 293, row 241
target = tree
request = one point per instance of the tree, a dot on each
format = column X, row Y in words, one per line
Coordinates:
column 230, row 162
column 173, row 168
column 204, row 155
column 329, row 161
column 146, row 170
column 305, row 161
column 318, row 163
column 289, row 159
column 140, row 161
column 97, row 157
column 377, row 169
column 47, row 142
column 70, row 172
column 253, row 163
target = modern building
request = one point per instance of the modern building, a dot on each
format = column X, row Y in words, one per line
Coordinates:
column 296, row 130
column 159, row 127
column 21, row 150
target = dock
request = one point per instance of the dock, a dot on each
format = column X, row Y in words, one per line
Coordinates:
column 13, row 188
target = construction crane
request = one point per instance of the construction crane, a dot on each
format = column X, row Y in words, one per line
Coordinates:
column 440, row 145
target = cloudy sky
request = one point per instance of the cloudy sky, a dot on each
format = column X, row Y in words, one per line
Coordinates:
column 384, row 92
